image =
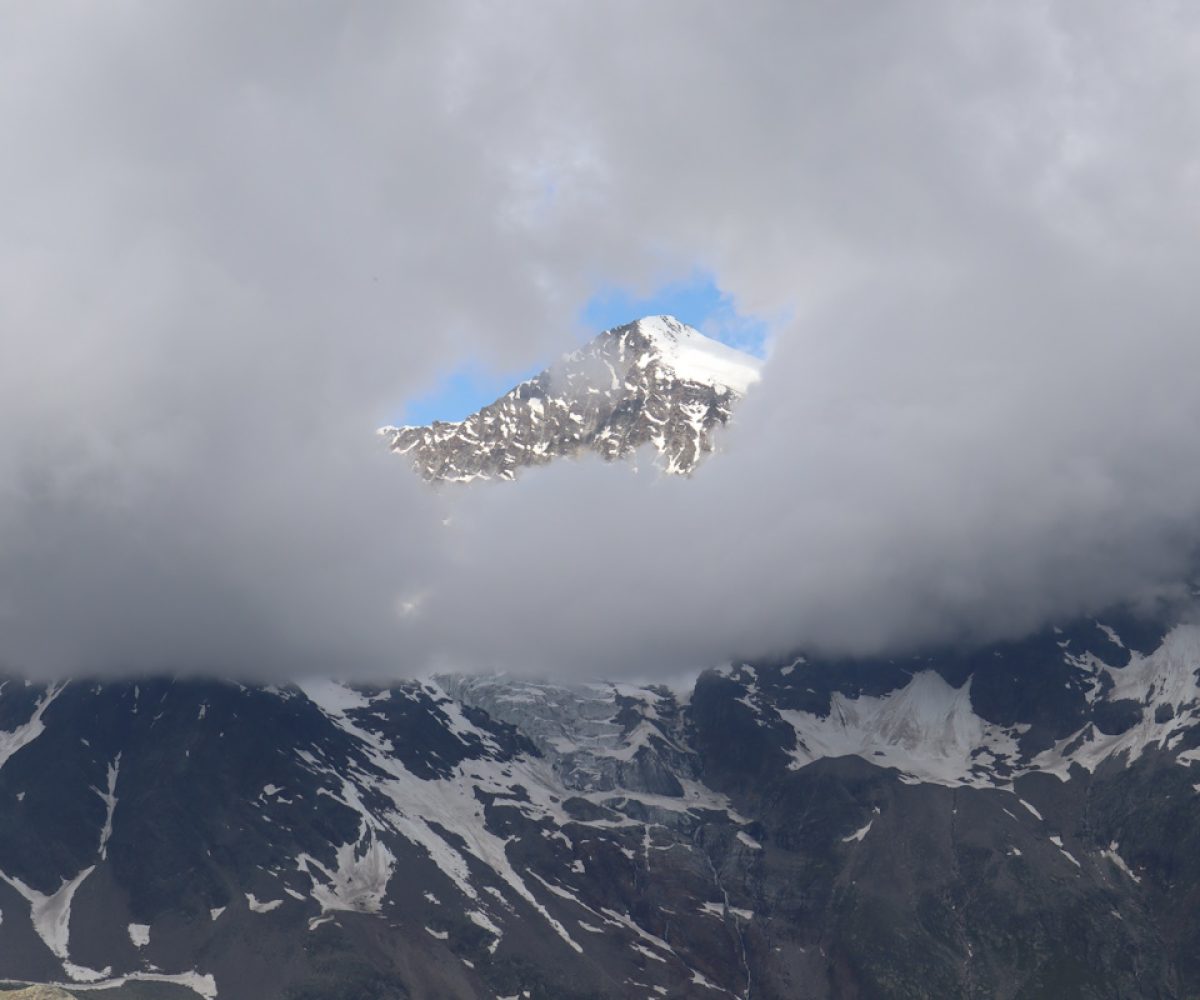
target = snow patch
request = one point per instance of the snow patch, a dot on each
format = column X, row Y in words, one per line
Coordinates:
column 1111, row 853
column 26, row 733
column 51, row 916
column 858, row 835
column 748, row 841
column 259, row 906
column 697, row 358
column 359, row 879
column 927, row 730
column 109, row 797
column 1163, row 680
column 1058, row 842
column 203, row 984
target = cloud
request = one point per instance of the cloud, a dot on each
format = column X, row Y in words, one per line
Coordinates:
column 235, row 239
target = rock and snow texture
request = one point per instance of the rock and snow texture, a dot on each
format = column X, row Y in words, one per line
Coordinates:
column 787, row 825
column 927, row 730
column 1159, row 694
column 340, row 813
column 51, row 915
column 598, row 737
column 655, row 383
column 930, row 730
column 29, row 730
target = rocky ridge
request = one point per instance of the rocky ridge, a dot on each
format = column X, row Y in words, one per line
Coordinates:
column 1016, row 822
column 654, row 383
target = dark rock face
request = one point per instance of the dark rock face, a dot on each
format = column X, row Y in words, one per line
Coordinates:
column 800, row 829
column 654, row 383
column 927, row 844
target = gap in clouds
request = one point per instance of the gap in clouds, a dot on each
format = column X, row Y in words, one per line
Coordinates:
column 696, row 300
column 215, row 282
column 463, row 391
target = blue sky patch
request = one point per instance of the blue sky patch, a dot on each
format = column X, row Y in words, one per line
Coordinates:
column 696, row 301
column 462, row 392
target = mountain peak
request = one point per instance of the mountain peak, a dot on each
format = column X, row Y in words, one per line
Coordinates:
column 696, row 357
column 654, row 382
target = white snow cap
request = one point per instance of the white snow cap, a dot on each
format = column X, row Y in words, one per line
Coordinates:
column 698, row 358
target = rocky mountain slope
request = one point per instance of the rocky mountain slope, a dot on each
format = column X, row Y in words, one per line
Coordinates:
column 654, row 383
column 1022, row 821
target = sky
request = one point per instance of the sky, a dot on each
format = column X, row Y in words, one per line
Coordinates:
column 695, row 300
column 238, row 239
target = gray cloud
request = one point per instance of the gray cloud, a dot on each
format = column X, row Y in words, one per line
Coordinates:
column 235, row 239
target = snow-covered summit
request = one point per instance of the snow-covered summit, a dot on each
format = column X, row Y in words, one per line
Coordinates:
column 655, row 381
column 697, row 358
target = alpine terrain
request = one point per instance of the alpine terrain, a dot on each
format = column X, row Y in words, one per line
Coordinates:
column 1022, row 822
column 655, row 382
column 1019, row 821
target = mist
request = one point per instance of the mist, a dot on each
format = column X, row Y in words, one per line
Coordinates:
column 237, row 240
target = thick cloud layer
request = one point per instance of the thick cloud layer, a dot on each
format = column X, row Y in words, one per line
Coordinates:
column 237, row 238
